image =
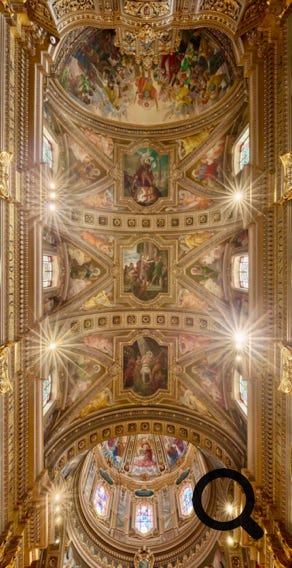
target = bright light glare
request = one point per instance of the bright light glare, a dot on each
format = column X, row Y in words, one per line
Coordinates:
column 229, row 508
column 230, row 540
column 238, row 196
column 238, row 358
column 52, row 346
column 53, row 195
column 52, row 206
column 58, row 520
column 240, row 339
column 57, row 497
column 52, row 185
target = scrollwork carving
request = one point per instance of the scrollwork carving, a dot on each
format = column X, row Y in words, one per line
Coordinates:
column 230, row 8
column 286, row 369
column 64, row 7
column 5, row 159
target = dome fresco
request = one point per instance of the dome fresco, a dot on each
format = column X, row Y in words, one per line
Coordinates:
column 144, row 456
column 113, row 86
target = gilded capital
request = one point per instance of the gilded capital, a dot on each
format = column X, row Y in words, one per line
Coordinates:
column 286, row 369
column 5, row 159
column 286, row 160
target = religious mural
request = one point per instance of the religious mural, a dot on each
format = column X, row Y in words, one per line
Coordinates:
column 103, row 144
column 83, row 168
column 102, row 243
column 190, row 143
column 209, row 169
column 99, row 300
column 145, row 366
column 240, row 240
column 208, row 271
column 101, row 200
column 190, row 301
column 111, row 85
column 72, row 465
column 100, row 342
column 81, row 375
column 83, row 270
column 145, row 176
column 145, row 271
column 191, row 343
column 144, row 454
column 175, row 449
column 209, row 375
column 188, row 200
column 193, row 241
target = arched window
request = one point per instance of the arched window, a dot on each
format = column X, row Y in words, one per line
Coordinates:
column 243, row 392
column 241, row 151
column 144, row 518
column 47, row 271
column 47, row 390
column 101, row 500
column 185, row 500
column 47, row 151
column 240, row 271
column 240, row 391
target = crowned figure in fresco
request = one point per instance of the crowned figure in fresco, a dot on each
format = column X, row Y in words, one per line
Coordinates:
column 144, row 558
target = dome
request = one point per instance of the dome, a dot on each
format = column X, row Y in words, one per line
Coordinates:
column 102, row 79
column 139, row 489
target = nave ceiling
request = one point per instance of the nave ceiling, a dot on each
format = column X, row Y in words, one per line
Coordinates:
column 132, row 188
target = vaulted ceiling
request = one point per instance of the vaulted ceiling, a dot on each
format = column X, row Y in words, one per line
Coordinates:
column 144, row 105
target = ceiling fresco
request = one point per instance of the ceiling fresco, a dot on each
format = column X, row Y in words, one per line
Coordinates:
column 145, row 457
column 148, row 259
column 113, row 86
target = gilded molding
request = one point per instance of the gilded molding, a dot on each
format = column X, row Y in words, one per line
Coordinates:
column 5, row 160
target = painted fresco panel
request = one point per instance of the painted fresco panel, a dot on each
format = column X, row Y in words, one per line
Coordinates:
column 145, row 176
column 145, row 367
column 145, row 271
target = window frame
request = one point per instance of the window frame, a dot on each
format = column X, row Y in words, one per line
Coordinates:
column 244, row 135
column 236, row 275
column 182, row 490
column 138, row 506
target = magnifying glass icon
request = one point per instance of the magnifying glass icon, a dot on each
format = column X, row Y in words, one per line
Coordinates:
column 244, row 519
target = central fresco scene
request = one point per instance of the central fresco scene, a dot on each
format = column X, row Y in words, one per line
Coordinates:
column 145, row 271
column 112, row 85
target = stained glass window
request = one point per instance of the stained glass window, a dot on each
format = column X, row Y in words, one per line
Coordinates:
column 47, row 151
column 144, row 518
column 186, row 503
column 243, row 392
column 240, row 271
column 101, row 500
column 241, row 152
column 47, row 390
column 244, row 150
column 47, row 271
column 243, row 271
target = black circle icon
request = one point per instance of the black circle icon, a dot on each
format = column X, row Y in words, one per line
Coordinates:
column 244, row 519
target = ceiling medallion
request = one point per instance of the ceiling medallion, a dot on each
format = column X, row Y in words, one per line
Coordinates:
column 144, row 558
column 147, row 44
